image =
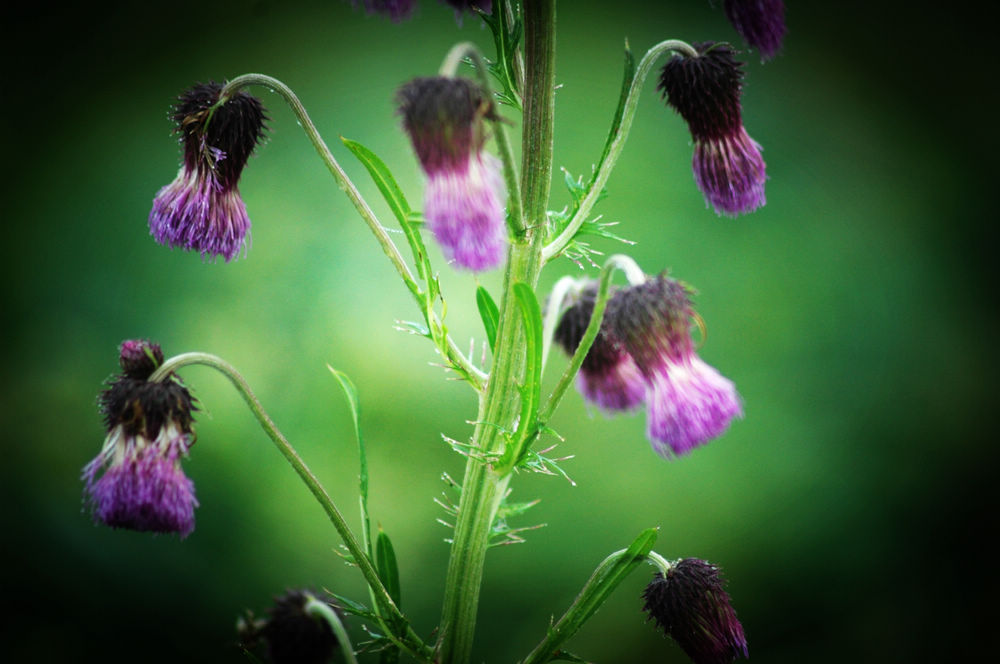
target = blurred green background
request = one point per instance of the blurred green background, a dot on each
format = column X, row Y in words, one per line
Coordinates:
column 847, row 509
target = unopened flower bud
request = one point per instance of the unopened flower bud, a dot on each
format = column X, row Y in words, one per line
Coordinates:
column 296, row 636
column 760, row 22
column 690, row 604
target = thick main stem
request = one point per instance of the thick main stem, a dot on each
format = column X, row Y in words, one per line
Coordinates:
column 483, row 488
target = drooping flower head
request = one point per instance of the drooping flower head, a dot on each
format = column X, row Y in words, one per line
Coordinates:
column 397, row 10
column 465, row 195
column 690, row 604
column 760, row 22
column 705, row 90
column 608, row 376
column 201, row 210
column 689, row 403
column 149, row 431
column 295, row 636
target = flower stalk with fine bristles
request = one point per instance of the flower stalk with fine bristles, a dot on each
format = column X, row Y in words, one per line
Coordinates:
column 705, row 90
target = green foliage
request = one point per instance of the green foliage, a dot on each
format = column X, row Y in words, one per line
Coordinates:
column 490, row 314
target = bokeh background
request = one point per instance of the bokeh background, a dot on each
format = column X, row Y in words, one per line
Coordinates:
column 848, row 509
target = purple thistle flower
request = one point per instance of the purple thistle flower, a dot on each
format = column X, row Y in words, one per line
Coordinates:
column 728, row 167
column 690, row 604
column 149, row 430
column 689, row 402
column 465, row 195
column 293, row 635
column 397, row 10
column 201, row 210
column 760, row 22
column 608, row 376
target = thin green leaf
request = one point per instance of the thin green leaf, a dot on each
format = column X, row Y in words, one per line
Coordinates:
column 527, row 428
column 385, row 563
column 383, row 179
column 394, row 197
column 490, row 314
column 352, row 400
column 616, row 124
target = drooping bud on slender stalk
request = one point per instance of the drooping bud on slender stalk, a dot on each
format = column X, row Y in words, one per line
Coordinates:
column 608, row 376
column 689, row 402
column 727, row 163
column 690, row 604
column 201, row 210
column 149, row 428
column 760, row 22
column 464, row 199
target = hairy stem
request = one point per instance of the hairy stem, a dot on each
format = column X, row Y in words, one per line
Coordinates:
column 483, row 488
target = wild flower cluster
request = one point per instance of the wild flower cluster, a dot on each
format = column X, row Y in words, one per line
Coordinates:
column 630, row 346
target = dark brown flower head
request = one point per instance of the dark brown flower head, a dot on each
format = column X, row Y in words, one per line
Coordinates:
column 690, row 605
column 443, row 116
column 293, row 635
column 221, row 139
column 705, row 90
column 760, row 22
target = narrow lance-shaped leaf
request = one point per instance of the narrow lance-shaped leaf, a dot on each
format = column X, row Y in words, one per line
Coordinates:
column 490, row 314
column 394, row 197
column 352, row 400
column 527, row 428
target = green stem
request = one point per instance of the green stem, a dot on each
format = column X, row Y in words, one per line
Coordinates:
column 448, row 68
column 410, row 641
column 454, row 355
column 617, row 139
column 483, row 488
column 322, row 609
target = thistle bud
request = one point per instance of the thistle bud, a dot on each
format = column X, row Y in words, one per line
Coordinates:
column 149, row 431
column 705, row 90
column 465, row 194
column 690, row 604
column 201, row 210
column 689, row 402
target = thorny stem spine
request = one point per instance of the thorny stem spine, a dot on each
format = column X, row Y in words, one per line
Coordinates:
column 600, row 179
column 483, row 488
column 475, row 377
column 410, row 641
